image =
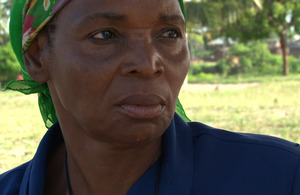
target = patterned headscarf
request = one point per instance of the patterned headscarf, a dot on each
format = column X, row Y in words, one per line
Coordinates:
column 28, row 17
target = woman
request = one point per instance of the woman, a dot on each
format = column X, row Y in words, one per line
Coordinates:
column 114, row 70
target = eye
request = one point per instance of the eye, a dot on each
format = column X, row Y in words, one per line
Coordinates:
column 171, row 34
column 103, row 35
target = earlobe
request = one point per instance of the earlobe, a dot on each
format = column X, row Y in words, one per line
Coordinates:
column 34, row 59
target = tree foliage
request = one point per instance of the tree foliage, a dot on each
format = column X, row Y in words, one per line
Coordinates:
column 246, row 20
column 5, row 7
column 214, row 16
column 9, row 66
column 253, row 58
column 280, row 17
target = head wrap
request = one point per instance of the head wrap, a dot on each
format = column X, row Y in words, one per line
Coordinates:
column 28, row 17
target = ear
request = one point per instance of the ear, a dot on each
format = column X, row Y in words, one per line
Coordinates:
column 34, row 59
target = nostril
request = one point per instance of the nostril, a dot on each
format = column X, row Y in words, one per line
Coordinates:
column 159, row 71
column 133, row 72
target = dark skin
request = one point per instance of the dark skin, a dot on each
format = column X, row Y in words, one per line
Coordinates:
column 114, row 74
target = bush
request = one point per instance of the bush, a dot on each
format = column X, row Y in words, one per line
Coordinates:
column 208, row 68
column 201, row 77
column 195, row 69
column 259, row 53
column 271, row 66
column 196, row 46
column 239, row 50
column 294, row 64
column 198, row 68
column 223, row 66
column 9, row 66
column 246, row 64
column 253, row 58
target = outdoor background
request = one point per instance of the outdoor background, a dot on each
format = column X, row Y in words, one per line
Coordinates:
column 244, row 75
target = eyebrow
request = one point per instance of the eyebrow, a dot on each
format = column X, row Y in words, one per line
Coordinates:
column 105, row 15
column 121, row 17
column 169, row 18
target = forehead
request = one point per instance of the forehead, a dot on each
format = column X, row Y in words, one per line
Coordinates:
column 135, row 10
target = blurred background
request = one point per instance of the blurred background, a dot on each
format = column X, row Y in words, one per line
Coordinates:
column 244, row 74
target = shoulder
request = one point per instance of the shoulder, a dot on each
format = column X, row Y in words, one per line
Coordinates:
column 202, row 132
column 227, row 162
column 233, row 162
column 10, row 181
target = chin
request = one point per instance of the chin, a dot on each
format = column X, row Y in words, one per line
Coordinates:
column 132, row 134
column 122, row 130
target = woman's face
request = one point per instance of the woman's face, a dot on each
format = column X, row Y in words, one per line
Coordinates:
column 116, row 67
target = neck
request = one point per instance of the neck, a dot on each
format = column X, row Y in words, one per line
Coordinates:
column 97, row 168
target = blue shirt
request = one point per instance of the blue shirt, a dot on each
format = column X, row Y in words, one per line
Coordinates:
column 196, row 159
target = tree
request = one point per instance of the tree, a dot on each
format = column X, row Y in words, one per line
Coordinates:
column 279, row 17
column 5, row 7
column 9, row 65
column 246, row 20
column 214, row 16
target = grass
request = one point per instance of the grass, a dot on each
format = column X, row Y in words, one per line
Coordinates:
column 21, row 128
column 271, row 107
column 215, row 79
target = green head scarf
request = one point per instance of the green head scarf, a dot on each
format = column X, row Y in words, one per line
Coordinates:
column 28, row 17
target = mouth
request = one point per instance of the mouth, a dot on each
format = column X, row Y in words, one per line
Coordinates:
column 142, row 106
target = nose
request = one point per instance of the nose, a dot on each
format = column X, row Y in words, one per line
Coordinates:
column 142, row 60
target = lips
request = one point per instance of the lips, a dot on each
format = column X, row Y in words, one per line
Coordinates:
column 142, row 106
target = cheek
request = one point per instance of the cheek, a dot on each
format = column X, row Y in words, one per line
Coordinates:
column 177, row 64
column 175, row 54
column 81, row 80
column 84, row 66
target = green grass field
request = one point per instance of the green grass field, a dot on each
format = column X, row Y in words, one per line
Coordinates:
column 21, row 128
column 270, row 107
